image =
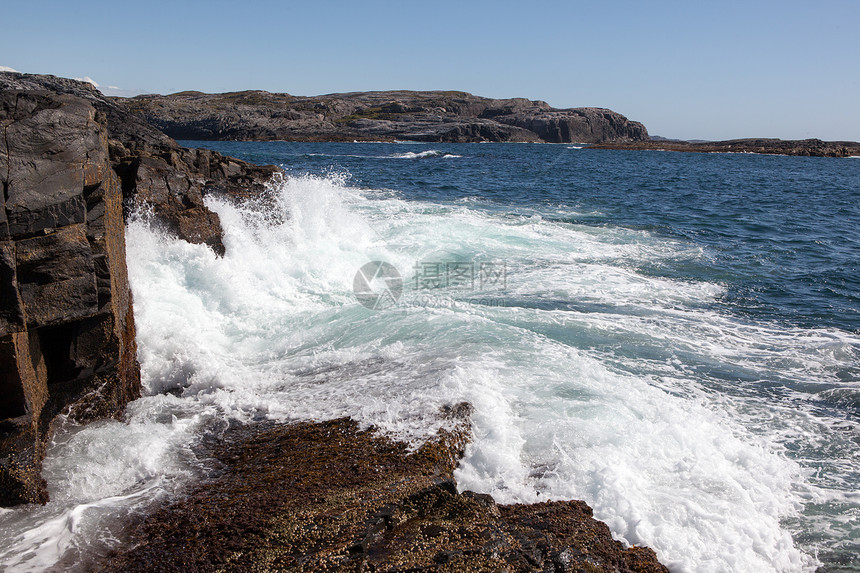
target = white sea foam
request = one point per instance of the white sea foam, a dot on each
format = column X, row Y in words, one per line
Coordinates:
column 589, row 379
column 430, row 153
column 425, row 154
column 97, row 475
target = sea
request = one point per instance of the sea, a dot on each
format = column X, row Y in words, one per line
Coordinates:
column 672, row 337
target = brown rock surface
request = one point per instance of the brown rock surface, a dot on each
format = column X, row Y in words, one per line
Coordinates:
column 328, row 497
column 66, row 323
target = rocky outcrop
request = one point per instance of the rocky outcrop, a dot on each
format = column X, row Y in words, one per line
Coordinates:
column 313, row 496
column 798, row 147
column 583, row 125
column 69, row 160
column 376, row 116
column 67, row 338
column 154, row 169
column 328, row 497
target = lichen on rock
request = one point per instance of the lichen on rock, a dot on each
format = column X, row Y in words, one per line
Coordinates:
column 328, row 496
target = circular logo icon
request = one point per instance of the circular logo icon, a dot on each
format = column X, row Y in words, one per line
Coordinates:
column 377, row 285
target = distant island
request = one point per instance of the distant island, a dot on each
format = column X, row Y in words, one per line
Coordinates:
column 802, row 147
column 431, row 116
column 424, row 116
column 427, row 116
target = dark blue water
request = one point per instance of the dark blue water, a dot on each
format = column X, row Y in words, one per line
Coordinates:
column 676, row 341
column 776, row 351
column 781, row 233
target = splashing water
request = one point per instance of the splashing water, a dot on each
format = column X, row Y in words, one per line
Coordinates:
column 689, row 429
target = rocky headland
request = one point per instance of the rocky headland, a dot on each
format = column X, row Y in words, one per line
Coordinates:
column 71, row 163
column 309, row 496
column 798, row 147
column 433, row 116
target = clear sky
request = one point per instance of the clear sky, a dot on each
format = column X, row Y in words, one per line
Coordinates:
column 686, row 69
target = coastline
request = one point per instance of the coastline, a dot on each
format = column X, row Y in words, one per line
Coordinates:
column 142, row 166
column 793, row 147
column 330, row 496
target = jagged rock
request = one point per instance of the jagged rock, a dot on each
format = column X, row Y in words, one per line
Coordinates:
column 152, row 167
column 67, row 344
column 327, row 497
column 66, row 323
column 407, row 115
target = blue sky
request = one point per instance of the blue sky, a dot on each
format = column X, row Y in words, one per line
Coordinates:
column 709, row 70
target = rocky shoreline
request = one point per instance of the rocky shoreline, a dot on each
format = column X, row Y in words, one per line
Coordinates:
column 313, row 496
column 71, row 163
column 329, row 497
column 802, row 147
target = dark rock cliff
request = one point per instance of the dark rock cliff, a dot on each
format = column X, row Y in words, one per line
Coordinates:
column 405, row 115
column 68, row 160
column 67, row 338
column 153, row 168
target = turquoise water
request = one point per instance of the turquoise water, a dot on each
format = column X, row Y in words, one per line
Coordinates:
column 779, row 232
column 674, row 338
column 731, row 278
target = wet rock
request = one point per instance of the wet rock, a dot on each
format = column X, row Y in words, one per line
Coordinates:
column 328, row 497
column 70, row 159
column 66, row 324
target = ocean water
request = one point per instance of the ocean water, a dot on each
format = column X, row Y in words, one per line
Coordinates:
column 673, row 338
